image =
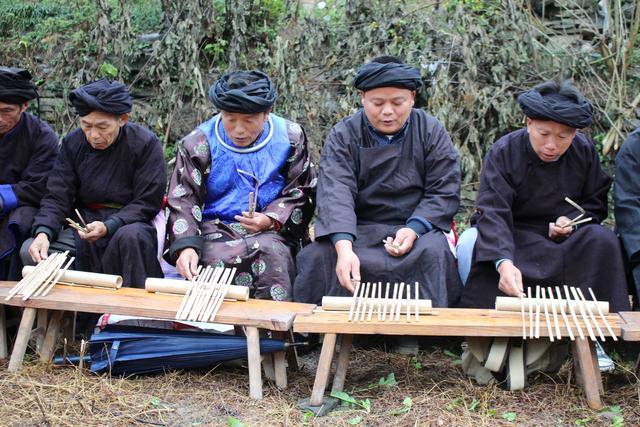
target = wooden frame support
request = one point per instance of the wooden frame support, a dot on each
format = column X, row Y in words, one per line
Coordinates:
column 587, row 370
column 22, row 339
column 343, row 362
column 324, row 367
column 51, row 337
column 3, row 334
column 253, row 353
column 41, row 322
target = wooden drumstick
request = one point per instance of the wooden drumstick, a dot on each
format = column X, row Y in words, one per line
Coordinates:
column 603, row 317
column 555, row 312
column 591, row 315
column 354, row 298
column 572, row 311
column 567, row 324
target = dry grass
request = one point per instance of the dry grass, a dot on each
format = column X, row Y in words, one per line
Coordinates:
column 440, row 395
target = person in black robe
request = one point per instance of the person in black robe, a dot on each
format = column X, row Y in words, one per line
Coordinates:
column 28, row 148
column 521, row 210
column 389, row 172
column 113, row 172
column 627, row 203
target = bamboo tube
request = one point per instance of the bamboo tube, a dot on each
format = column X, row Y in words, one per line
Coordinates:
column 546, row 315
column 567, row 324
column 84, row 278
column 354, row 299
column 604, row 319
column 555, row 312
column 513, row 304
column 572, row 311
column 57, row 279
column 180, row 287
column 593, row 318
column 343, row 303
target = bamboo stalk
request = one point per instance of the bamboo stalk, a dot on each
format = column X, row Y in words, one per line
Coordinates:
column 604, row 318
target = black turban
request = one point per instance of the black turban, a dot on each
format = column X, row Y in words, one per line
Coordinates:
column 102, row 95
column 244, row 92
column 575, row 113
column 392, row 74
column 16, row 86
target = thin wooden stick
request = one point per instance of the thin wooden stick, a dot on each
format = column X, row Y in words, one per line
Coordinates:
column 213, row 294
column 82, row 221
column 354, row 298
column 583, row 313
column 572, row 311
column 62, row 271
column 51, row 272
column 537, row 311
column 524, row 326
column 417, row 288
column 530, row 312
column 555, row 312
column 356, row 315
column 373, row 292
column 546, row 315
column 392, row 309
column 225, row 287
column 211, row 285
column 399, row 307
column 408, row 303
column 35, row 275
column 386, row 299
column 593, row 318
column 365, row 301
column 567, row 324
column 199, row 293
column 604, row 318
column 379, row 300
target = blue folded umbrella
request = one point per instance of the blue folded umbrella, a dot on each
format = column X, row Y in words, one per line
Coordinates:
column 131, row 350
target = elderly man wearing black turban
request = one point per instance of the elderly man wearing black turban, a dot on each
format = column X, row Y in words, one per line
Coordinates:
column 113, row 172
column 522, row 226
column 28, row 147
column 389, row 172
column 245, row 150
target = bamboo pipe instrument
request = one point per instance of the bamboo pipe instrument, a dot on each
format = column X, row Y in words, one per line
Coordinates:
column 423, row 306
column 84, row 278
column 180, row 287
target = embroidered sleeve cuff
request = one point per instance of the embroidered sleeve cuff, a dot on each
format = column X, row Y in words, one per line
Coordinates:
column 194, row 242
column 9, row 199
column 500, row 261
column 335, row 237
column 113, row 223
column 46, row 230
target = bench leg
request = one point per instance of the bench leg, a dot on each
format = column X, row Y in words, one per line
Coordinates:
column 3, row 334
column 22, row 339
column 253, row 353
column 41, row 323
column 324, row 367
column 267, row 365
column 587, row 369
column 51, row 337
column 280, row 366
column 343, row 362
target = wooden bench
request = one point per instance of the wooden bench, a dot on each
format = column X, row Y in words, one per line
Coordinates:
column 252, row 314
column 446, row 322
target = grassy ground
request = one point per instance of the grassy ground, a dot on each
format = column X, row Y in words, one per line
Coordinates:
column 428, row 390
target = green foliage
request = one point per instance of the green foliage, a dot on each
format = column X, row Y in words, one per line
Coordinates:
column 364, row 404
column 510, row 416
column 108, row 70
column 234, row 422
column 389, row 381
column 406, row 407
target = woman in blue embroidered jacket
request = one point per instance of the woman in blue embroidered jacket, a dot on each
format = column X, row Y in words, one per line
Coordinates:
column 243, row 148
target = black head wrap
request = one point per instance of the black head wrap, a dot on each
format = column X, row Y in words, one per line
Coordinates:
column 16, row 86
column 573, row 111
column 102, row 95
column 244, row 92
column 392, row 74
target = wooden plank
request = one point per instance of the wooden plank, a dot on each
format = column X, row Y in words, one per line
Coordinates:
column 272, row 315
column 587, row 371
column 253, row 356
column 3, row 334
column 631, row 326
column 446, row 322
column 343, row 362
column 324, row 367
column 22, row 339
column 280, row 366
column 51, row 337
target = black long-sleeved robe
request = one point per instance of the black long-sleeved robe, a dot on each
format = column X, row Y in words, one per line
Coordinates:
column 519, row 196
column 123, row 184
column 26, row 155
column 370, row 192
column 627, row 202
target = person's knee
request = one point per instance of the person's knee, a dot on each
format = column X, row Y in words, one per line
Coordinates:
column 134, row 234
